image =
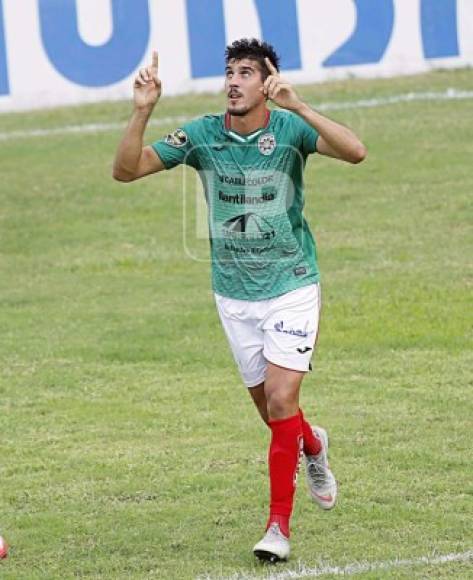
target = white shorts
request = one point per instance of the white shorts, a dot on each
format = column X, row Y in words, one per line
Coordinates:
column 281, row 330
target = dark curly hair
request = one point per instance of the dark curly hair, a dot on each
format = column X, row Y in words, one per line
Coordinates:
column 252, row 49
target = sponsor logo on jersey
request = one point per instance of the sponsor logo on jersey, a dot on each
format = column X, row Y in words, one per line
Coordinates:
column 177, row 139
column 246, row 179
column 267, row 143
column 243, row 199
column 245, row 250
column 300, row 271
column 248, row 226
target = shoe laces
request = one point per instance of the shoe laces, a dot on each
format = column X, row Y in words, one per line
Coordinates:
column 317, row 468
column 274, row 531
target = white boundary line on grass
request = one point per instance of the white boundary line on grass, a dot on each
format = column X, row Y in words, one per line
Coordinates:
column 303, row 571
column 447, row 95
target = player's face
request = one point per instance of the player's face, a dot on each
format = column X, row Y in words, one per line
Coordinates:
column 243, row 83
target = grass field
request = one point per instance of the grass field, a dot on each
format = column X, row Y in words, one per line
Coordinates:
column 129, row 448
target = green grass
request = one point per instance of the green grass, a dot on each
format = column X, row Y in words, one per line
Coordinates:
column 129, row 448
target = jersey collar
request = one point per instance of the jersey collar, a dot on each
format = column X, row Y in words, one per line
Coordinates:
column 245, row 138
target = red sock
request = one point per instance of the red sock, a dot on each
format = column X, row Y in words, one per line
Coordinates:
column 312, row 445
column 283, row 458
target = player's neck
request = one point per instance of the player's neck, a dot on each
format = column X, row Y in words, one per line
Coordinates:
column 250, row 122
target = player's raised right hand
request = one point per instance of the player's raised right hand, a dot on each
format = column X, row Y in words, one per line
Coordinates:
column 147, row 85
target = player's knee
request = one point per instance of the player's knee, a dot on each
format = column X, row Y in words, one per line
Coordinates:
column 281, row 405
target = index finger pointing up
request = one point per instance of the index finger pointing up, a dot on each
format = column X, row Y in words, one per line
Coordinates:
column 155, row 60
column 272, row 69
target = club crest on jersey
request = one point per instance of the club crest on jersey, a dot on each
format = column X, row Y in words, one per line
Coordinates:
column 177, row 139
column 267, row 143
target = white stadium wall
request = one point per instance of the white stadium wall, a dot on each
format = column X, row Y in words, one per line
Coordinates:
column 55, row 52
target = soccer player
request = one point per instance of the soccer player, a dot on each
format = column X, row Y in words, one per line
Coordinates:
column 265, row 275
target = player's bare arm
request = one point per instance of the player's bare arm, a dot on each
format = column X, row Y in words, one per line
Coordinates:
column 132, row 159
column 334, row 140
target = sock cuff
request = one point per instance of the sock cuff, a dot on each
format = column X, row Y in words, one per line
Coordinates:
column 286, row 424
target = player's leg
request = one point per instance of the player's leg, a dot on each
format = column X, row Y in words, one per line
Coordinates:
column 281, row 387
column 290, row 335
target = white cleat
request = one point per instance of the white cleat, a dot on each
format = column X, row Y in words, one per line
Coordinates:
column 274, row 547
column 321, row 481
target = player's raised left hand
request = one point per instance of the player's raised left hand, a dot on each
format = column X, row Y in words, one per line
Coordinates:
column 279, row 90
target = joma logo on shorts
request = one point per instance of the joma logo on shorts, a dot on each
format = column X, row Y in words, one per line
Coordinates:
column 279, row 327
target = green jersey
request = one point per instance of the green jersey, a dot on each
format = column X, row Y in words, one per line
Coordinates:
column 261, row 245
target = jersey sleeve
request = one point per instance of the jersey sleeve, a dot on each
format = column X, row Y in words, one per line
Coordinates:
column 306, row 136
column 176, row 148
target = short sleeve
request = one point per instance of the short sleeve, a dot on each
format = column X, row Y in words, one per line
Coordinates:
column 306, row 136
column 175, row 148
